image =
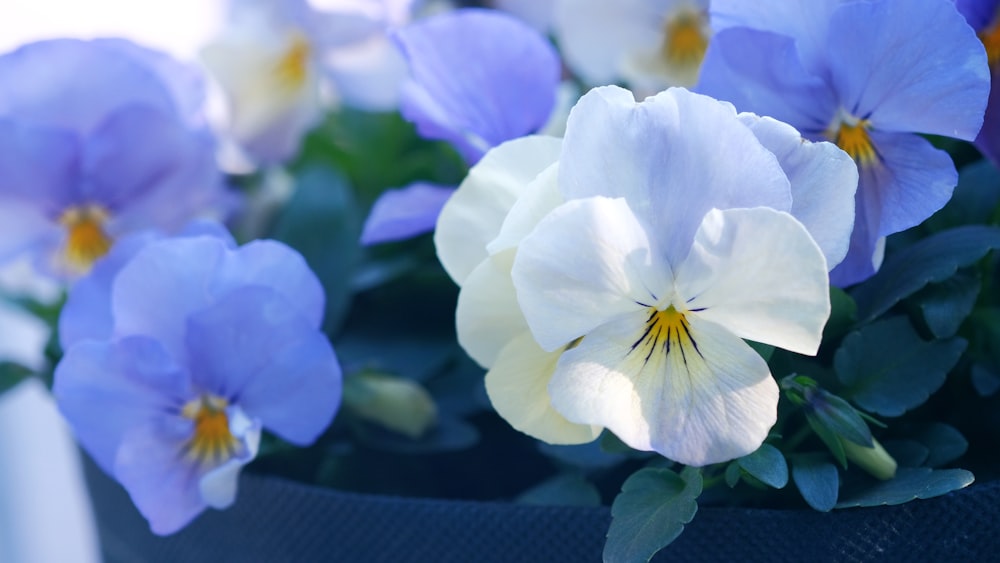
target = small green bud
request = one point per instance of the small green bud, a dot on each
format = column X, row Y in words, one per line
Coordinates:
column 875, row 460
column 398, row 404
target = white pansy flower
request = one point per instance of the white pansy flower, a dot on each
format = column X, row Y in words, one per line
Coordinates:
column 626, row 270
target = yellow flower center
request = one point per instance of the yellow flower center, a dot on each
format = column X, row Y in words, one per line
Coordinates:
column 684, row 42
column 212, row 443
column 851, row 135
column 991, row 40
column 86, row 240
column 668, row 331
column 293, row 66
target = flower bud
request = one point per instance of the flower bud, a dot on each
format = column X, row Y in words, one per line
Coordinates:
column 875, row 460
column 398, row 404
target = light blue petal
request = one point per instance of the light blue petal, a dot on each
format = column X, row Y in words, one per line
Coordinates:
column 912, row 181
column 673, row 157
column 39, row 165
column 103, row 389
column 253, row 348
column 273, row 264
column 405, row 213
column 909, row 66
column 75, row 84
column 478, row 78
column 761, row 72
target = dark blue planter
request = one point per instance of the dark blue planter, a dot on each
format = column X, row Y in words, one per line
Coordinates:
column 277, row 520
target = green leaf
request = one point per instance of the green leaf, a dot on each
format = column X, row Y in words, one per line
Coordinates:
column 733, row 474
column 767, row 465
column 888, row 369
column 568, row 489
column 909, row 483
column 843, row 314
column 933, row 259
column 944, row 306
column 650, row 512
column 946, row 444
column 817, row 480
column 323, row 222
column 907, row 453
column 974, row 199
column 985, row 380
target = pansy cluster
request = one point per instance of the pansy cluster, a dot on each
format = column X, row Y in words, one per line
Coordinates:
column 740, row 237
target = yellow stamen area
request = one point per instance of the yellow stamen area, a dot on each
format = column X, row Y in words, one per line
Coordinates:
column 851, row 135
column 991, row 40
column 212, row 443
column 684, row 42
column 86, row 240
column 667, row 331
column 292, row 68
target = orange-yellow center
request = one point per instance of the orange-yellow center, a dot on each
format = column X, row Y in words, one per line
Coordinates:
column 684, row 42
column 666, row 331
column 991, row 40
column 212, row 443
column 86, row 240
column 851, row 135
column 293, row 66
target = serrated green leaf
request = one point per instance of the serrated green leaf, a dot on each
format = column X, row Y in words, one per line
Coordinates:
column 888, row 369
column 817, row 480
column 932, row 259
column 910, row 483
column 568, row 489
column 650, row 512
column 767, row 465
column 944, row 306
column 944, row 442
column 323, row 222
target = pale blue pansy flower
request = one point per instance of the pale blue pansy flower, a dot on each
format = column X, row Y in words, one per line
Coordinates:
column 177, row 356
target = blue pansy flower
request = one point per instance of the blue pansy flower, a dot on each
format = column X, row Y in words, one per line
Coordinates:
column 477, row 78
column 199, row 347
column 869, row 76
column 984, row 17
column 98, row 139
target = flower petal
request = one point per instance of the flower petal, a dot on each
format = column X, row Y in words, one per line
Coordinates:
column 488, row 316
column 517, row 385
column 758, row 273
column 217, row 487
column 254, row 349
column 700, row 406
column 654, row 154
column 479, row 77
column 587, row 262
column 474, row 214
column 823, row 178
column 39, row 165
column 595, row 35
column 103, row 389
column 909, row 66
column 405, row 213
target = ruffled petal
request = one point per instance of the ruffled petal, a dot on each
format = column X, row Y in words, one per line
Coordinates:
column 39, row 166
column 473, row 215
column 103, row 389
column 656, row 154
column 587, row 262
column 478, row 78
column 909, row 66
column 517, row 385
column 705, row 400
column 405, row 213
column 758, row 273
column 823, row 178
column 762, row 72
column 488, row 316
column 255, row 350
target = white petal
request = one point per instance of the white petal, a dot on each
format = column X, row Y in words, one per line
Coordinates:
column 487, row 316
column 472, row 217
column 595, row 35
column 587, row 262
column 673, row 157
column 695, row 406
column 518, row 388
column 823, row 177
column 758, row 273
column 538, row 199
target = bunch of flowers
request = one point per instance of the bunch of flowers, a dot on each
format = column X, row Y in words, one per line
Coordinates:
column 665, row 248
